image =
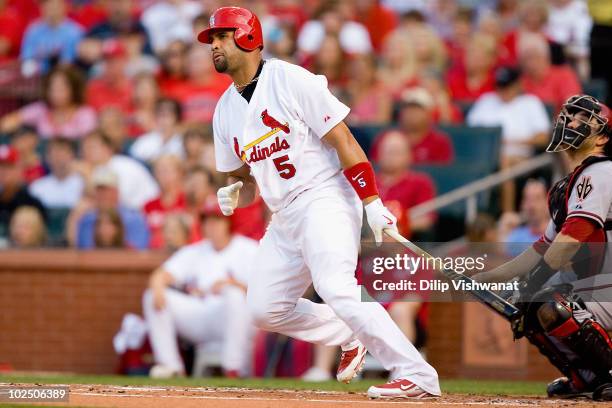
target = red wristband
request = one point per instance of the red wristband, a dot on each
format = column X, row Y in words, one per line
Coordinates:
column 361, row 176
column 541, row 245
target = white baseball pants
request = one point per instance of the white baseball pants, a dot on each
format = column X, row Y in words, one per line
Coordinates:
column 222, row 318
column 316, row 239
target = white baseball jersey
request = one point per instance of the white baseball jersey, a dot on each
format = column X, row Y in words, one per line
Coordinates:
column 591, row 198
column 278, row 133
column 199, row 265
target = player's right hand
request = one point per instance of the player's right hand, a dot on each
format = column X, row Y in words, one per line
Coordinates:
column 379, row 219
column 228, row 198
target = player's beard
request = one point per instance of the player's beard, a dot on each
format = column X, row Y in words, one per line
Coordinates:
column 585, row 150
column 220, row 64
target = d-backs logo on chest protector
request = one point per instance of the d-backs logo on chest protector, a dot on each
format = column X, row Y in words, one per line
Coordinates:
column 559, row 195
column 256, row 150
column 589, row 259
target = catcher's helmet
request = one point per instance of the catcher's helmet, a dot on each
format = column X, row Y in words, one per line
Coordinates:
column 564, row 137
column 247, row 35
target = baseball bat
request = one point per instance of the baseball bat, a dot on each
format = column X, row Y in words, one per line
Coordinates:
column 491, row 299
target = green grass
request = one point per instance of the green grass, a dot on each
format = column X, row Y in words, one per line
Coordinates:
column 478, row 387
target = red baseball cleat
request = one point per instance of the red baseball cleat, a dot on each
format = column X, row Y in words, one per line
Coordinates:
column 351, row 363
column 398, row 388
column 232, row 374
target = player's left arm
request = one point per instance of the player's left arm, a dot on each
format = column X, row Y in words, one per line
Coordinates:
column 360, row 174
column 588, row 206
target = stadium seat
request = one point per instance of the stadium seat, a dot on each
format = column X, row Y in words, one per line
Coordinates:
column 41, row 147
column 56, row 223
column 475, row 147
column 597, row 88
column 476, row 156
column 366, row 134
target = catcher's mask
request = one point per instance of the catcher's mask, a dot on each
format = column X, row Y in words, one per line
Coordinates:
column 591, row 122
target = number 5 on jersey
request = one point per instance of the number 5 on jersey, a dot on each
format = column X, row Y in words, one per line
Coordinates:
column 285, row 169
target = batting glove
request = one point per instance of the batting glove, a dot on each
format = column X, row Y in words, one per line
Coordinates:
column 228, row 198
column 379, row 219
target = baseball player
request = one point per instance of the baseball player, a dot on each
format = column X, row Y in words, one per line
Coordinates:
column 280, row 129
column 212, row 307
column 566, row 295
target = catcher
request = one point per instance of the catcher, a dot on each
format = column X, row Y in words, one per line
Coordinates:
column 566, row 278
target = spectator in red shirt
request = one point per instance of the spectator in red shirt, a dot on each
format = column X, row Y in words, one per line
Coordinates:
column 29, row 10
column 476, row 75
column 174, row 67
column 399, row 187
column 429, row 145
column 25, row 141
column 112, row 88
column 89, row 14
column 168, row 172
column 144, row 100
column 378, row 19
column 553, row 84
column 458, row 42
column 290, row 13
column 533, row 16
column 199, row 93
column 12, row 26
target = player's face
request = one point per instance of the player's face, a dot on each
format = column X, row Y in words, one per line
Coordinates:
column 577, row 120
column 225, row 53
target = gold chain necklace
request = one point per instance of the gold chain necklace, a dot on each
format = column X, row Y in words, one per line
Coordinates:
column 238, row 86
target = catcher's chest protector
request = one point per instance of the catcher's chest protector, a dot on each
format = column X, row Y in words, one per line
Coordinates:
column 559, row 194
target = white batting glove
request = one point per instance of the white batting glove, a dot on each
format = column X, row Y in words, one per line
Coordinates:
column 228, row 198
column 379, row 219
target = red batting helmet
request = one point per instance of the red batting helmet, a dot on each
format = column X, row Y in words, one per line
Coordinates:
column 247, row 35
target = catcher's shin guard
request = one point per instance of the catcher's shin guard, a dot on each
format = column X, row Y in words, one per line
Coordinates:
column 593, row 345
column 588, row 340
column 557, row 358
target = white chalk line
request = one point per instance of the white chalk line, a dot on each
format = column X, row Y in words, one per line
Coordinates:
column 326, row 401
column 75, row 388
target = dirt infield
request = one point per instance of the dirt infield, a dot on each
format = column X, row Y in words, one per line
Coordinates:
column 188, row 397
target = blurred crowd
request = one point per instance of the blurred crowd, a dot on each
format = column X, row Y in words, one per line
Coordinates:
column 113, row 147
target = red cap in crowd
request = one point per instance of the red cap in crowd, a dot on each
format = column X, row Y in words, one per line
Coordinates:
column 113, row 49
column 8, row 155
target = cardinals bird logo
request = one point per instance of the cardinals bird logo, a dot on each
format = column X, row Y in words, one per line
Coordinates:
column 273, row 123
